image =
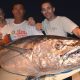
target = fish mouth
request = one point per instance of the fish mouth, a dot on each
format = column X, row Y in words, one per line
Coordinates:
column 75, row 51
column 72, row 57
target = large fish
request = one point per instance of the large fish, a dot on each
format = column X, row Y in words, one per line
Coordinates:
column 41, row 55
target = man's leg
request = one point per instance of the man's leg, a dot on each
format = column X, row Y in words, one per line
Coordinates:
column 76, row 76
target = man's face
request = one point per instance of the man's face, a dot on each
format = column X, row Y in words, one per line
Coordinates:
column 47, row 10
column 18, row 11
column 1, row 14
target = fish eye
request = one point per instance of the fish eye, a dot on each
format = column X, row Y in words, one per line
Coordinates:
column 59, row 46
column 78, row 51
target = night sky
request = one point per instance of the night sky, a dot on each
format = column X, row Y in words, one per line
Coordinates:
column 68, row 8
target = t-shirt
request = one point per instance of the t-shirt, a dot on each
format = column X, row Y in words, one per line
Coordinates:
column 59, row 26
column 17, row 31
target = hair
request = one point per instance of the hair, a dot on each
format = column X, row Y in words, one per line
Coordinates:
column 1, row 10
column 17, row 3
column 48, row 1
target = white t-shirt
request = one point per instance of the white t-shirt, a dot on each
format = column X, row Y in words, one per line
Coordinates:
column 9, row 20
column 17, row 31
column 59, row 26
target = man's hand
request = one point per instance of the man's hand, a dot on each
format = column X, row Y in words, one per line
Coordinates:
column 31, row 21
column 39, row 26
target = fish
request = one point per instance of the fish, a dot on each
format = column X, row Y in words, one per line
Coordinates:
column 41, row 55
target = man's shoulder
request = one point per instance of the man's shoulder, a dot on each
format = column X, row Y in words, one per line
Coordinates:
column 24, row 24
column 57, row 17
column 62, row 17
column 5, row 28
column 9, row 20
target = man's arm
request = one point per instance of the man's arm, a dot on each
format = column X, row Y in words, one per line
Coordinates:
column 76, row 31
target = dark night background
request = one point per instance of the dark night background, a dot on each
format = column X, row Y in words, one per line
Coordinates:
column 68, row 8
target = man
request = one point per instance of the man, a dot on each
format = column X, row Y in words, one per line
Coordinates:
column 2, row 21
column 57, row 25
column 2, row 18
column 18, row 27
